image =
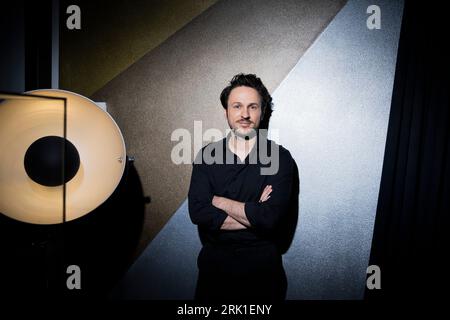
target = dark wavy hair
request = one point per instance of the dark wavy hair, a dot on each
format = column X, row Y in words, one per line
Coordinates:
column 252, row 81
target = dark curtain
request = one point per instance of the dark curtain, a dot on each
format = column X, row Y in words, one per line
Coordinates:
column 411, row 227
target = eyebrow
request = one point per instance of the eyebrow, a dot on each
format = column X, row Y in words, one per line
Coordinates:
column 251, row 103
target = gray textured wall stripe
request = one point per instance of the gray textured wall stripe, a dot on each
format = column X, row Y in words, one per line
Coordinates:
column 332, row 111
column 180, row 81
column 168, row 267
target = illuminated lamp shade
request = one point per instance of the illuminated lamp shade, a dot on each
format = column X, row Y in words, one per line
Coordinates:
column 31, row 172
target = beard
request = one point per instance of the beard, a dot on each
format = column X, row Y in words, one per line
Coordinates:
column 247, row 135
column 244, row 133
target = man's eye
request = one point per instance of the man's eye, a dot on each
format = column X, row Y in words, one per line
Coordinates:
column 236, row 106
column 254, row 107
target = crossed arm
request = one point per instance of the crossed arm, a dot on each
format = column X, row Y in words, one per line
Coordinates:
column 212, row 212
column 237, row 219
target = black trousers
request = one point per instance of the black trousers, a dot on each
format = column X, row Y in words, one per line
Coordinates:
column 253, row 273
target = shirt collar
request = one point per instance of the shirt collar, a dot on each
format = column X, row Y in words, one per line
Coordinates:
column 252, row 157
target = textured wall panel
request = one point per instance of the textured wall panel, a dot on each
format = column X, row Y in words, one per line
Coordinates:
column 332, row 112
column 115, row 34
column 168, row 267
column 180, row 81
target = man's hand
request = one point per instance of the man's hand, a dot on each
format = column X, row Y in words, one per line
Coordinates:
column 236, row 219
column 265, row 195
column 232, row 224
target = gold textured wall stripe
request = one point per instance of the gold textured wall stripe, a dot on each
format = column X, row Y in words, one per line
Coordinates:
column 114, row 35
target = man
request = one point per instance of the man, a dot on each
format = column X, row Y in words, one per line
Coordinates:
column 236, row 207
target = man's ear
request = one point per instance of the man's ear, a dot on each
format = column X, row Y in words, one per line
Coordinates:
column 225, row 113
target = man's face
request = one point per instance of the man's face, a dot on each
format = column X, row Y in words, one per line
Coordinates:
column 244, row 110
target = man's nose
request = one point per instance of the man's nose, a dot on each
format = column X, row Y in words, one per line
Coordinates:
column 245, row 113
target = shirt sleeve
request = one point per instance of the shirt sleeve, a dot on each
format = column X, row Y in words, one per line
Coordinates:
column 201, row 210
column 266, row 215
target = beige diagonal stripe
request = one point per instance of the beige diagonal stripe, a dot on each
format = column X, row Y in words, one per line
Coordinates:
column 180, row 81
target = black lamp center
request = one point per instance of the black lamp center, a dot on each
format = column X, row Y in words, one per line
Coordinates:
column 44, row 161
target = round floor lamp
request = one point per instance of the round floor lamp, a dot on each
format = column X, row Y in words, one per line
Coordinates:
column 64, row 158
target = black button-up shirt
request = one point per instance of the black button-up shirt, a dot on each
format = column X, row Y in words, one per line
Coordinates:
column 243, row 182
